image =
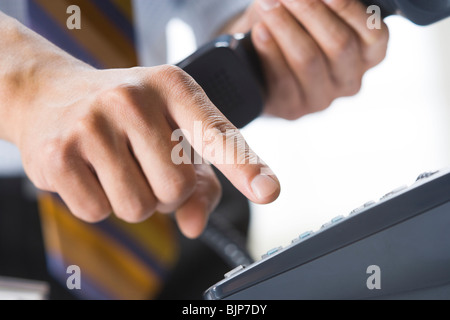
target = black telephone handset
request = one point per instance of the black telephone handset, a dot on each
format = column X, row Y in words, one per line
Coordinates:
column 230, row 73
column 421, row 12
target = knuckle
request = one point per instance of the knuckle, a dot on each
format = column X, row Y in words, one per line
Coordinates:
column 341, row 5
column 175, row 76
column 385, row 33
column 351, row 87
column 214, row 134
column 345, row 43
column 174, row 73
column 39, row 177
column 179, row 187
column 380, row 35
column 295, row 108
column 355, row 87
column 216, row 191
column 89, row 125
column 325, row 103
column 134, row 211
column 216, row 187
column 311, row 107
column 182, row 85
column 309, row 5
column 39, row 183
column 308, row 62
column 57, row 153
column 91, row 209
column 216, row 127
column 94, row 212
column 121, row 93
column 376, row 50
column 319, row 103
column 122, row 98
column 292, row 99
column 293, row 113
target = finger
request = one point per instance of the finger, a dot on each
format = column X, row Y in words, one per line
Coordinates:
column 172, row 183
column 337, row 40
column 282, row 85
column 301, row 52
column 215, row 139
column 130, row 196
column 193, row 215
column 374, row 39
column 81, row 192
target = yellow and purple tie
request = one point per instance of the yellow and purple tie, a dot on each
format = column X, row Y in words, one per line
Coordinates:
column 117, row 260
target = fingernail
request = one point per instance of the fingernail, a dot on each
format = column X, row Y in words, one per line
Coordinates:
column 264, row 186
column 263, row 34
column 268, row 5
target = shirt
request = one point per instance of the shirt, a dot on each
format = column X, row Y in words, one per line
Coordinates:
column 205, row 17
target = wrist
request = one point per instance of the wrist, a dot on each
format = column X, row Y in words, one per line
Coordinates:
column 29, row 68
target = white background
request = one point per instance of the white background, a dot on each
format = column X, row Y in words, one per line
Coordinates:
column 361, row 147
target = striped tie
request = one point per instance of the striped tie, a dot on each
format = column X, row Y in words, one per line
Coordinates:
column 106, row 38
column 117, row 260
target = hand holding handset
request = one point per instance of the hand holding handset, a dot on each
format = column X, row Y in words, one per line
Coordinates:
column 229, row 71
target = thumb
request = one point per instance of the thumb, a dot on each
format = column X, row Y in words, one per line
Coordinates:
column 193, row 215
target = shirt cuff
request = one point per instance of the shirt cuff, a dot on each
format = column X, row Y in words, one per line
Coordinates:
column 15, row 8
column 207, row 17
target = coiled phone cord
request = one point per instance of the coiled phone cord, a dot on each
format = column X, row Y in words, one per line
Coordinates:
column 226, row 241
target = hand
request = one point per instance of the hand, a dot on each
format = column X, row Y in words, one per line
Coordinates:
column 102, row 141
column 313, row 51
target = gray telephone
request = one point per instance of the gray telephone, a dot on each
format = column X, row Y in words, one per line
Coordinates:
column 395, row 248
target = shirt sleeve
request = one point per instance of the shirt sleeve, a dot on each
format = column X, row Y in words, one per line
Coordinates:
column 10, row 163
column 207, row 17
column 14, row 8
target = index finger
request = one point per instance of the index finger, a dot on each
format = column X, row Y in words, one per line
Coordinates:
column 216, row 140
